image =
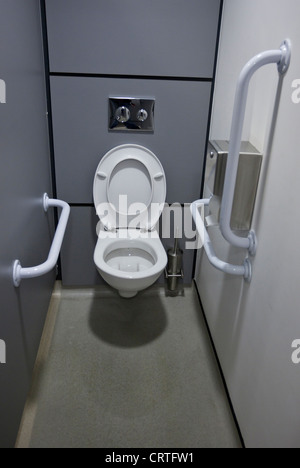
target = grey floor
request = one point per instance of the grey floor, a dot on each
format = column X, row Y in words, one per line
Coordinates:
column 119, row 373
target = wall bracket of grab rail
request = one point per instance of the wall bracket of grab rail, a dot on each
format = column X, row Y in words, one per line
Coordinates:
column 244, row 270
column 282, row 58
column 19, row 272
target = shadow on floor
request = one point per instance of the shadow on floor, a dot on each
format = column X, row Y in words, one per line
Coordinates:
column 127, row 323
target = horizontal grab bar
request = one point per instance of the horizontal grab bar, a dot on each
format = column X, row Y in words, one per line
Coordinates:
column 19, row 272
column 282, row 58
column 244, row 270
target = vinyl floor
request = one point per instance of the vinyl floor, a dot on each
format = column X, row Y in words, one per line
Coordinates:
column 126, row 373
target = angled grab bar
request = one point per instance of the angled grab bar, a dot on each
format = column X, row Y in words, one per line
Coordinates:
column 282, row 58
column 244, row 270
column 19, row 272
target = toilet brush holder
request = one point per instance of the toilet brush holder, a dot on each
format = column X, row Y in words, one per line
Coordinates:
column 174, row 271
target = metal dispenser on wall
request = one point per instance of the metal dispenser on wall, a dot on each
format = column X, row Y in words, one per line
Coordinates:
column 250, row 161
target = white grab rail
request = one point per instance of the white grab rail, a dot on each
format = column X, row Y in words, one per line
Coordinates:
column 19, row 272
column 282, row 58
column 244, row 270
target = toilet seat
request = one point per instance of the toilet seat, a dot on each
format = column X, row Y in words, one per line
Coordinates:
column 129, row 188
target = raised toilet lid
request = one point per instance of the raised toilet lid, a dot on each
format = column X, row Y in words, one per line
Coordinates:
column 129, row 188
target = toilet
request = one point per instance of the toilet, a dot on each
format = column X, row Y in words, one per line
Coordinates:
column 129, row 195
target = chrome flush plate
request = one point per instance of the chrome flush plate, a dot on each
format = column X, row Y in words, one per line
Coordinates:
column 131, row 114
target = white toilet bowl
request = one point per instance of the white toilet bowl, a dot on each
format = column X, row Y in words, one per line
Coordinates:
column 129, row 190
column 130, row 264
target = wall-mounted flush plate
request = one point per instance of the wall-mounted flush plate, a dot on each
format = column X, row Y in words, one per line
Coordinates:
column 131, row 114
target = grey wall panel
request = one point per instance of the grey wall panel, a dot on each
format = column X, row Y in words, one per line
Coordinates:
column 78, row 267
column 81, row 135
column 26, row 230
column 136, row 37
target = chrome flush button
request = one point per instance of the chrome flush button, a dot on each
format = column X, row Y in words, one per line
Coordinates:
column 131, row 114
column 142, row 115
column 122, row 114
